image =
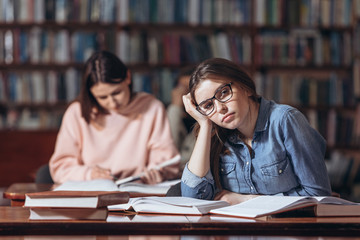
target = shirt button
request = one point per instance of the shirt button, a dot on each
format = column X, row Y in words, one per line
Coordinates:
column 247, row 163
column 222, row 169
column 251, row 188
column 280, row 171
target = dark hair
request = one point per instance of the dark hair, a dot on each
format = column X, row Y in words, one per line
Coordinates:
column 101, row 67
column 220, row 69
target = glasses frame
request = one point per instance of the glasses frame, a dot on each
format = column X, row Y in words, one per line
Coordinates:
column 212, row 99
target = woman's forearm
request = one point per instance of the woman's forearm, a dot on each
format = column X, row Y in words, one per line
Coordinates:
column 199, row 163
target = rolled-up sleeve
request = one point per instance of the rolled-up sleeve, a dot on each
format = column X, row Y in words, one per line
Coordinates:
column 197, row 187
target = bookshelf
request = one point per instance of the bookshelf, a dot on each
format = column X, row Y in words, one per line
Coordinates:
column 300, row 52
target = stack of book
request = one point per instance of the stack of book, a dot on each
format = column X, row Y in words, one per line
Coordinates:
column 72, row 205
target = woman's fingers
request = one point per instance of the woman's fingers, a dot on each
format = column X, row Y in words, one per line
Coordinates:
column 98, row 172
column 152, row 176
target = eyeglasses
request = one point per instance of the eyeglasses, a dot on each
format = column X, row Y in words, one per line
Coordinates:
column 222, row 94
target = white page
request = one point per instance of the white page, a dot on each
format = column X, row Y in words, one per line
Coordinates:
column 182, row 201
column 149, row 218
column 174, row 205
column 92, row 185
column 334, row 200
column 262, row 205
column 109, row 185
column 160, row 188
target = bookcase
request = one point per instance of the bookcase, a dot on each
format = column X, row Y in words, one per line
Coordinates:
column 300, row 52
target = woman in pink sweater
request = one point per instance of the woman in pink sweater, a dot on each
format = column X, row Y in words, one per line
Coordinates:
column 111, row 131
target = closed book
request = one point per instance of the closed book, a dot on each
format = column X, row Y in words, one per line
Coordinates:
column 68, row 213
column 169, row 205
column 75, row 199
column 337, row 210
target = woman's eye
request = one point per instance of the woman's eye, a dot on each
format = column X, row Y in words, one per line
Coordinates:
column 224, row 92
column 208, row 105
column 116, row 93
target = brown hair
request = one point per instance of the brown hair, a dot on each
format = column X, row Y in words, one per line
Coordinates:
column 101, row 67
column 220, row 69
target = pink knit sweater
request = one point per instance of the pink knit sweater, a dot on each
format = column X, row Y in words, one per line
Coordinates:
column 136, row 140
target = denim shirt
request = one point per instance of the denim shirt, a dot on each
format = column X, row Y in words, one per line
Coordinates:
column 287, row 159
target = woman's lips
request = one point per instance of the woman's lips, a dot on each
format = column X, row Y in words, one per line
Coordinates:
column 227, row 118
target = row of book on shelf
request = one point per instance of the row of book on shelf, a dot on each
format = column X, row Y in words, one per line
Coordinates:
column 35, row 87
column 97, row 199
column 299, row 47
column 62, row 47
column 298, row 89
column 38, row 87
column 36, row 46
column 294, row 48
column 126, row 11
column 52, row 87
column 303, row 47
column 306, row 13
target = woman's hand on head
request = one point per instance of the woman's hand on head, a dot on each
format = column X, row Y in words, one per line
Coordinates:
column 98, row 172
column 190, row 108
column 152, row 176
column 233, row 198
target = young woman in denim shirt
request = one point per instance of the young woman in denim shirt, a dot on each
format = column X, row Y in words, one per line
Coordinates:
column 247, row 145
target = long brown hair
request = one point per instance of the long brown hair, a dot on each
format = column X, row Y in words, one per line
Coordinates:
column 220, row 69
column 104, row 67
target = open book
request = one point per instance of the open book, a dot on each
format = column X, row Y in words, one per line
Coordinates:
column 268, row 205
column 169, row 205
column 109, row 185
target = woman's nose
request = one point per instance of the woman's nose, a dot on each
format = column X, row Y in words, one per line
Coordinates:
column 111, row 102
column 220, row 107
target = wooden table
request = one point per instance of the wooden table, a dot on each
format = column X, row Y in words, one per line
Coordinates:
column 16, row 192
column 14, row 221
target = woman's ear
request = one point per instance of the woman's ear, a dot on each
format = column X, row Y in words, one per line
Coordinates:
column 128, row 77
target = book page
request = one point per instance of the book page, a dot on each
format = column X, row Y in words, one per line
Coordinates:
column 334, row 200
column 180, row 201
column 92, row 185
column 160, row 188
column 147, row 218
column 172, row 205
column 264, row 205
column 109, row 185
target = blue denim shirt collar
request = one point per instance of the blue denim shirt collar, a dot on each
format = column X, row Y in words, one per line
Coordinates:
column 264, row 114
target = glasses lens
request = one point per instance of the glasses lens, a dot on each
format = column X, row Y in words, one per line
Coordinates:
column 206, row 107
column 224, row 94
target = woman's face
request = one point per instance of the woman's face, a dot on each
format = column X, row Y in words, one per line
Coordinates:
column 232, row 114
column 112, row 97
